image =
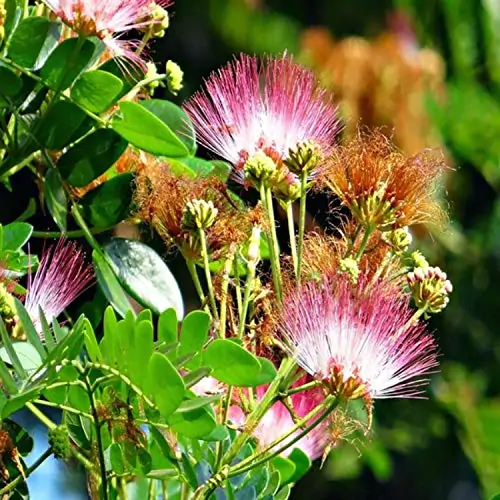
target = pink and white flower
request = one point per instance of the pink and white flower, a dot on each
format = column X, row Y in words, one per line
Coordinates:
column 108, row 20
column 270, row 105
column 360, row 342
column 277, row 421
column 61, row 277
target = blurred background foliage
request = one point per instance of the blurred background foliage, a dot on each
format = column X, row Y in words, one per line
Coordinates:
column 429, row 72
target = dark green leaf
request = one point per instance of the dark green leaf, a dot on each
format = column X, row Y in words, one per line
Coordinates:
column 91, row 157
column 56, row 128
column 10, row 352
column 175, row 119
column 146, row 131
column 109, row 203
column 164, row 384
column 15, row 235
column 11, row 85
column 194, row 332
column 18, row 401
column 12, row 17
column 109, row 284
column 33, row 40
column 144, row 275
column 96, row 90
column 232, row 364
column 55, row 198
column 116, row 458
column 66, row 62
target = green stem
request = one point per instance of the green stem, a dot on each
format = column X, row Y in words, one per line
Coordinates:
column 100, row 449
column 301, row 388
column 267, row 202
column 246, row 298
column 41, row 416
column 67, row 409
column 364, row 242
column 291, row 235
column 287, row 366
column 302, row 223
column 152, row 489
column 328, row 405
column 415, row 317
column 197, row 283
column 208, row 274
column 86, row 233
column 19, row 479
column 228, row 265
column 77, row 233
column 224, row 414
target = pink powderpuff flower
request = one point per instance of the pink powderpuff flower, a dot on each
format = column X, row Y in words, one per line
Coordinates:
column 61, row 276
column 360, row 341
column 270, row 105
column 108, row 20
column 277, row 421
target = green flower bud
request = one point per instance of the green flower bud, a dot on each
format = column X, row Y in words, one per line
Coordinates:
column 430, row 288
column 304, row 158
column 174, row 77
column 199, row 214
column 151, row 73
column 59, row 441
column 285, row 185
column 399, row 239
column 157, row 21
column 350, row 267
column 419, row 260
column 7, row 306
column 253, row 254
column 259, row 168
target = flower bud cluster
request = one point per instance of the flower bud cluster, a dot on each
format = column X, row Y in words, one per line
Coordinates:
column 430, row 288
column 399, row 239
column 175, row 76
column 304, row 158
column 199, row 214
column 259, row 168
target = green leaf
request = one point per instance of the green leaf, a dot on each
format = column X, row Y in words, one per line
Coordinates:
column 11, row 85
column 15, row 235
column 167, row 326
column 28, row 356
column 33, row 40
column 90, row 342
column 96, row 90
column 10, row 353
column 197, row 402
column 140, row 351
column 56, row 128
column 175, row 119
column 91, row 157
column 12, row 17
column 267, row 372
column 232, row 364
column 302, row 464
column 110, row 285
column 164, row 384
column 7, row 379
column 285, row 467
column 146, row 131
column 109, row 203
column 284, row 493
column 66, row 62
column 193, row 377
column 55, row 198
column 195, row 424
column 144, row 275
column 194, row 332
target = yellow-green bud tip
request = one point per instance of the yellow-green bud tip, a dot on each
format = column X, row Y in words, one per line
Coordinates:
column 174, row 77
column 199, row 214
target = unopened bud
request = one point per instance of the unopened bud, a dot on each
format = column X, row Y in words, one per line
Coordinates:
column 199, row 214
column 174, row 77
column 350, row 267
column 399, row 239
column 304, row 158
column 7, row 305
column 59, row 442
column 285, row 185
column 151, row 73
column 259, row 168
column 253, row 254
column 419, row 260
column 430, row 288
column 156, row 20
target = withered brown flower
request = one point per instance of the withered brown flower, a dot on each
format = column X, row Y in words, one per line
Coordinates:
column 383, row 188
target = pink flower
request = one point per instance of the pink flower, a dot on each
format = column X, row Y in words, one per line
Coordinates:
column 277, row 421
column 272, row 105
column 360, row 342
column 108, row 20
column 61, row 276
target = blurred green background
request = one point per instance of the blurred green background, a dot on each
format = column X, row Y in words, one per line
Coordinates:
column 429, row 71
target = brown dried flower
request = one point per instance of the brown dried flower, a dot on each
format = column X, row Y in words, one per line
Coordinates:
column 383, row 188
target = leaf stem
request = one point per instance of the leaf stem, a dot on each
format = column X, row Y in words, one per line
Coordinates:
column 292, row 237
column 208, row 274
column 228, row 265
column 197, row 283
